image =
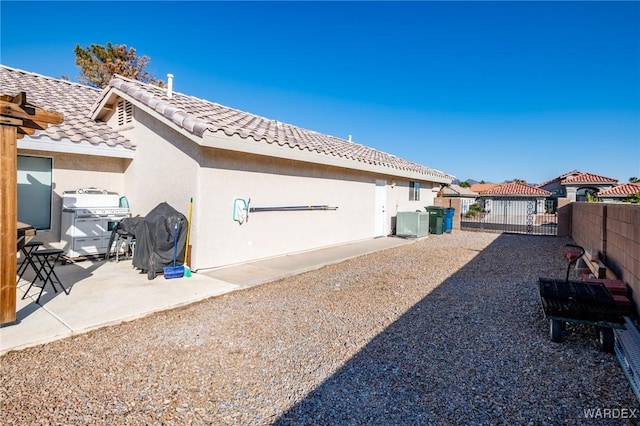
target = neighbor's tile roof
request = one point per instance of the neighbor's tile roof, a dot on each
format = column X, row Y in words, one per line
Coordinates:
column 516, row 189
column 588, row 178
column 626, row 189
column 481, row 187
column 74, row 101
column 559, row 178
column 197, row 116
column 458, row 191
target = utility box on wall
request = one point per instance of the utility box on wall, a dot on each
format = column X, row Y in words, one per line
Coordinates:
column 412, row 224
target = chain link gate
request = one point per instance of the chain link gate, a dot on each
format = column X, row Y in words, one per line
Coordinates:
column 521, row 215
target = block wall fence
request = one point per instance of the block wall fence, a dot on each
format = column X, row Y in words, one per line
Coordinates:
column 609, row 230
column 613, row 232
column 450, row 202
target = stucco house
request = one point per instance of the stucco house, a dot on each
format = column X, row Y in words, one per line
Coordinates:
column 153, row 145
column 513, row 198
column 575, row 185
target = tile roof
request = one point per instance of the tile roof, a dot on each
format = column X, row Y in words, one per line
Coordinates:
column 73, row 100
column 624, row 190
column 198, row 116
column 559, row 178
column 516, row 189
column 481, row 187
column 458, row 191
column 588, row 178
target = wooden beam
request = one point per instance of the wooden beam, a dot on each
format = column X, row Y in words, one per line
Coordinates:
column 37, row 125
column 20, row 99
column 29, row 113
column 26, row 130
column 17, row 118
column 11, row 121
column 8, row 223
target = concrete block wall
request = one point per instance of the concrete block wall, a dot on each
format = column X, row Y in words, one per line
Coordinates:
column 589, row 226
column 450, row 202
column 564, row 217
column 623, row 244
column 613, row 230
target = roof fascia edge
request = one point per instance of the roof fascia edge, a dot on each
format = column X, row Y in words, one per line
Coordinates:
column 249, row 146
column 235, row 143
column 67, row 146
column 102, row 101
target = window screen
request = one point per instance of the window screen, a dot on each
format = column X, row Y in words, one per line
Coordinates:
column 34, row 191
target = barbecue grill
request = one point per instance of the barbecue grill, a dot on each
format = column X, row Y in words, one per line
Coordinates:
column 89, row 216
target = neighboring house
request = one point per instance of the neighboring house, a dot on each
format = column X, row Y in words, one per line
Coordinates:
column 575, row 185
column 153, row 145
column 466, row 195
column 619, row 193
column 513, row 198
column 555, row 185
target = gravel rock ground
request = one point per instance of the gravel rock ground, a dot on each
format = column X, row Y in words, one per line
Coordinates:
column 445, row 331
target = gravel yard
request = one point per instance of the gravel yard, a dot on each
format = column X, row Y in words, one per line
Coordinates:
column 445, row 331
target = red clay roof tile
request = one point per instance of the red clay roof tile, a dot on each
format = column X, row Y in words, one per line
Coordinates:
column 626, row 189
column 481, row 187
column 588, row 178
column 559, row 178
column 517, row 189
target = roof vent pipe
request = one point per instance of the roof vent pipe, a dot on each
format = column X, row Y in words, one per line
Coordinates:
column 349, row 138
column 169, row 86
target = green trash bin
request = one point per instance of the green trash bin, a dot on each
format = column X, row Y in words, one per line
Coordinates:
column 436, row 219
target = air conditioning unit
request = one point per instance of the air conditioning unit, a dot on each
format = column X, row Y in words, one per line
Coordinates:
column 412, row 224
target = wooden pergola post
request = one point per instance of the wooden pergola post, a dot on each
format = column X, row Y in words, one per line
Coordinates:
column 17, row 118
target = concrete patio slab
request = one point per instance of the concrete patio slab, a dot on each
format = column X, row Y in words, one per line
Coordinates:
column 103, row 293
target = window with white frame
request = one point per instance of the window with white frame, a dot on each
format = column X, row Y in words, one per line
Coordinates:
column 34, row 191
column 414, row 191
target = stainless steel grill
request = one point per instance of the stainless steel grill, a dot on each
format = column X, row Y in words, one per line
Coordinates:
column 89, row 216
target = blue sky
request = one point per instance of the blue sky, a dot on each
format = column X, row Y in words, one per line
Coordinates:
column 482, row 90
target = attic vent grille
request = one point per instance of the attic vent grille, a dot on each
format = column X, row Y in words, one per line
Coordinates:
column 125, row 112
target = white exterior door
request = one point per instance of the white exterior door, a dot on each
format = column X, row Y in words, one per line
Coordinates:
column 380, row 208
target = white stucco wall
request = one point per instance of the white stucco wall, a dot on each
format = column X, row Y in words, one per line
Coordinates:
column 165, row 168
column 398, row 195
column 177, row 170
column 169, row 166
column 270, row 182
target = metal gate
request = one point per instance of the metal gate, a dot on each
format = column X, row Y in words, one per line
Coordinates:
column 519, row 215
